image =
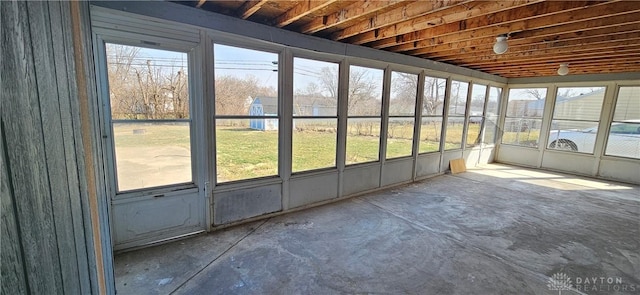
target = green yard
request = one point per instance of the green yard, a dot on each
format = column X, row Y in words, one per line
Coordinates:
column 244, row 153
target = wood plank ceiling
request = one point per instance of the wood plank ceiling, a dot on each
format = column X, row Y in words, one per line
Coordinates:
column 593, row 37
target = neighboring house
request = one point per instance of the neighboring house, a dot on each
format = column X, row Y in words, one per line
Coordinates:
column 580, row 107
column 304, row 106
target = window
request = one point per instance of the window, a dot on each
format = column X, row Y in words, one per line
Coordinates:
column 315, row 114
column 149, row 100
column 432, row 112
column 522, row 122
column 491, row 115
column 402, row 106
column 575, row 119
column 457, row 109
column 246, row 113
column 476, row 115
column 364, row 111
column 624, row 133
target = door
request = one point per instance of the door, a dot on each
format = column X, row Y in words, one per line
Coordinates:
column 152, row 156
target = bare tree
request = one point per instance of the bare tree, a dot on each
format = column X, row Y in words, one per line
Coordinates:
column 233, row 95
column 434, row 96
column 404, row 91
column 361, row 100
column 142, row 89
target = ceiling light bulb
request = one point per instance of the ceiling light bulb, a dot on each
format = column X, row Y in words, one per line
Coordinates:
column 501, row 45
column 563, row 69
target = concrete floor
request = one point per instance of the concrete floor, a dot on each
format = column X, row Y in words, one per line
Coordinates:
column 497, row 230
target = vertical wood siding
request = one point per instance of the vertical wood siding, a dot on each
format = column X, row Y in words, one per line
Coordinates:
column 44, row 233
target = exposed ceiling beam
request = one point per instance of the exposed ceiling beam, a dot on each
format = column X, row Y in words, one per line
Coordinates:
column 412, row 10
column 200, row 3
column 587, row 63
column 356, row 10
column 538, row 15
column 610, row 47
column 560, row 57
column 302, row 9
column 547, row 25
column 562, row 44
column 248, row 8
column 455, row 18
column 476, row 45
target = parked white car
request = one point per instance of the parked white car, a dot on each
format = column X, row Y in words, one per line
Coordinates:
column 624, row 139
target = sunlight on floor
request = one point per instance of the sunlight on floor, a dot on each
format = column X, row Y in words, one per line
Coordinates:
column 547, row 179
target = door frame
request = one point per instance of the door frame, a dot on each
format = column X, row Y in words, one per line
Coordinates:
column 198, row 136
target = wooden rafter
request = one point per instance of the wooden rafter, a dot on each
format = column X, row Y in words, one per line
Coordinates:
column 356, row 10
column 538, row 15
column 593, row 43
column 248, row 8
column 593, row 36
column 544, row 37
column 412, row 10
column 301, row 10
column 545, row 25
column 453, row 18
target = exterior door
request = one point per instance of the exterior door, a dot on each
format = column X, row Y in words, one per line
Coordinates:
column 151, row 156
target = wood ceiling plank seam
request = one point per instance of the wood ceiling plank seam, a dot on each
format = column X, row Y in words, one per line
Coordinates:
column 546, row 14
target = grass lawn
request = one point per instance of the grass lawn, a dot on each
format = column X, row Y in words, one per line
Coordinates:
column 244, row 153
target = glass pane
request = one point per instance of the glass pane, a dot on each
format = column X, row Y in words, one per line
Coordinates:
column 245, row 153
column 403, row 94
column 624, row 133
column 241, row 77
column 473, row 131
column 493, row 105
column 523, row 132
column 491, row 115
column 314, row 144
column 490, row 127
column 147, row 83
column 458, row 101
column 434, row 94
column 363, row 140
column 478, row 93
column 315, row 85
column 628, row 104
column 430, row 133
column 365, row 91
column 455, row 129
column 624, row 140
column 152, row 154
column 526, row 103
column 400, row 137
column 579, row 103
column 573, row 136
